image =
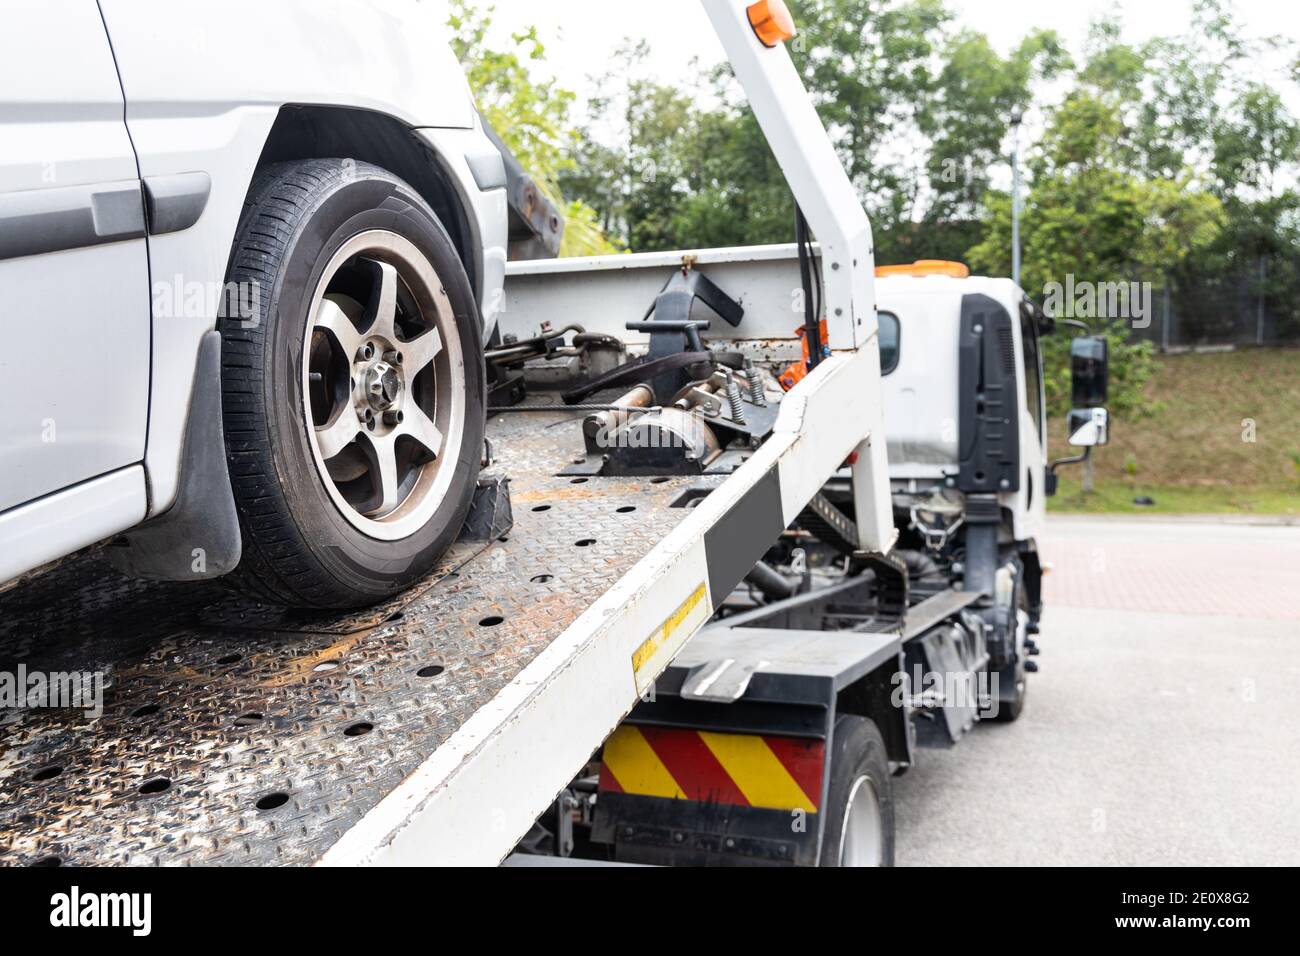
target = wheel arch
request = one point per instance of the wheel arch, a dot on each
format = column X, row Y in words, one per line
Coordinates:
column 327, row 132
column 878, row 696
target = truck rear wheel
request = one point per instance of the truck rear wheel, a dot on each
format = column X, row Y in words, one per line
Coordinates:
column 354, row 399
column 860, row 804
column 1013, row 683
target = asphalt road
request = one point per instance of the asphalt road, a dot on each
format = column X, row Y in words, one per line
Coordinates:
column 1164, row 725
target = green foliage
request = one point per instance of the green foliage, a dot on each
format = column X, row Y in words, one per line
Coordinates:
column 870, row 66
column 976, row 92
column 532, row 117
column 1161, row 162
column 882, row 73
column 1091, row 217
column 686, row 176
column 1192, row 112
column 1131, row 366
column 1116, row 497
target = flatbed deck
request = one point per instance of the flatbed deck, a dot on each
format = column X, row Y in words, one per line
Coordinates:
column 233, row 704
column 437, row 727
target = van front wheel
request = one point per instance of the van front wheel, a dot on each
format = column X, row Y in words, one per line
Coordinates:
column 353, row 397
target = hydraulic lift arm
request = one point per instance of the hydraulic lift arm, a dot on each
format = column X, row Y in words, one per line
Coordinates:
column 823, row 191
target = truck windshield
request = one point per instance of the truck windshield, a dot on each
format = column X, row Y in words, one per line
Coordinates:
column 889, row 342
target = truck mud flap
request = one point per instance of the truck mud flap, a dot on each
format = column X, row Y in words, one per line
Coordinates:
column 945, row 667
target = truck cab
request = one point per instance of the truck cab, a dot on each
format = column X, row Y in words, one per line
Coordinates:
column 965, row 414
column 936, row 419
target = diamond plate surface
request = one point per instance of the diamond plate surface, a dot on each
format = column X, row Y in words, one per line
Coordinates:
column 236, row 705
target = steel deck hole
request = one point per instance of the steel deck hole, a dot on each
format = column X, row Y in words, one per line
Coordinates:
column 662, row 479
column 627, row 509
column 492, row 620
column 578, row 481
column 157, row 785
column 542, row 579
column 585, row 542
column 326, row 666
column 395, row 617
column 248, row 720
column 272, row 800
column 359, row 729
column 48, row 773
column 230, row 659
column 433, row 670
column 541, row 508
column 148, row 710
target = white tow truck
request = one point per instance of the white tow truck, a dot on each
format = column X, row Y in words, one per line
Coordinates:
column 649, row 478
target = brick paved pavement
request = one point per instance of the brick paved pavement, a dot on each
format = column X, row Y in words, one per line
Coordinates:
column 1161, row 728
column 1174, row 567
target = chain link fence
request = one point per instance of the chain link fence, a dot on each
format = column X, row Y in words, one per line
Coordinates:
column 1257, row 304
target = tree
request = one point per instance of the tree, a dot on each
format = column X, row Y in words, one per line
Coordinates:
column 884, row 75
column 1090, row 223
column 1162, row 163
column 1256, row 162
column 531, row 117
column 685, row 175
column 976, row 94
column 1189, row 109
column 870, row 67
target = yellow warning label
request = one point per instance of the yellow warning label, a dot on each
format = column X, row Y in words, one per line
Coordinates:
column 691, row 611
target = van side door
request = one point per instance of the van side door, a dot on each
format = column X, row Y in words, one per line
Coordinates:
column 74, row 274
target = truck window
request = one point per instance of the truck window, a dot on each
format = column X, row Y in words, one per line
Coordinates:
column 889, row 341
column 1033, row 369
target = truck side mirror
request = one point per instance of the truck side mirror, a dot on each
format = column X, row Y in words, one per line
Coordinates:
column 1089, row 371
column 1089, row 427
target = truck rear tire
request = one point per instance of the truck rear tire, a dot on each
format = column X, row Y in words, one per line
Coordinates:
column 353, row 397
column 1013, row 682
column 859, row 803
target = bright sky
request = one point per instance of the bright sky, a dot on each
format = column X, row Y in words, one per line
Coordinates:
column 581, row 35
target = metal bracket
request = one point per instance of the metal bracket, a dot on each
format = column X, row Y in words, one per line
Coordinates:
column 983, row 517
column 670, row 325
column 892, row 593
column 721, row 681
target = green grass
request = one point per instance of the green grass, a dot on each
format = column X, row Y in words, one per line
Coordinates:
column 1226, row 439
column 1116, row 497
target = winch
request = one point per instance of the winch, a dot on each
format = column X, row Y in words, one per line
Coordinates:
column 682, row 408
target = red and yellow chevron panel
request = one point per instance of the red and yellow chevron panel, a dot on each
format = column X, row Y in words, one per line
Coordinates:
column 779, row 773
